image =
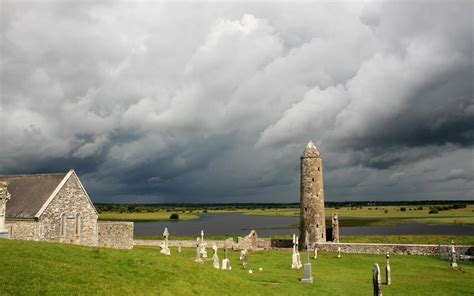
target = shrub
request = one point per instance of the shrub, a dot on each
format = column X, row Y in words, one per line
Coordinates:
column 403, row 209
column 386, row 211
column 174, row 216
column 420, row 208
column 433, row 211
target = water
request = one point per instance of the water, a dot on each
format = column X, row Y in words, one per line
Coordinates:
column 237, row 223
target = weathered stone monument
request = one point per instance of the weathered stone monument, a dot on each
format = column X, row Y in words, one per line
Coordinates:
column 377, row 280
column 295, row 258
column 388, row 272
column 164, row 245
column 243, row 257
column 307, row 275
column 312, row 216
column 335, row 228
column 203, row 245
column 315, row 251
column 453, row 256
column 225, row 261
column 198, row 251
column 338, row 252
column 215, row 258
column 179, row 249
column 4, row 198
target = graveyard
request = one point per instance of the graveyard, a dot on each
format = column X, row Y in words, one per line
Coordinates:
column 47, row 268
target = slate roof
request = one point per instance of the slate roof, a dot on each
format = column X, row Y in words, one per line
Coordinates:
column 29, row 193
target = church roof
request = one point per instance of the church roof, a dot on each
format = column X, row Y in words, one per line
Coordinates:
column 29, row 193
column 311, row 150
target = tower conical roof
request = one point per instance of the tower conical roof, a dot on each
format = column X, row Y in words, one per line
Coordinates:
column 311, row 150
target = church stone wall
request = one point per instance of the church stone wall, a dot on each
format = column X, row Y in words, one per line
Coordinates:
column 117, row 235
column 23, row 230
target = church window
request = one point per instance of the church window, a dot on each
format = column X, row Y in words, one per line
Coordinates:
column 63, row 224
column 78, row 224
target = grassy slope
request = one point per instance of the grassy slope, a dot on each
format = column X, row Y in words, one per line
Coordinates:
column 144, row 217
column 45, row 268
column 410, row 239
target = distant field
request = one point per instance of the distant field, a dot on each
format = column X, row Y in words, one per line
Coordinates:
column 35, row 268
column 145, row 217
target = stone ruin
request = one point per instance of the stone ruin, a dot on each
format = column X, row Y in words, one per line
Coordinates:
column 252, row 242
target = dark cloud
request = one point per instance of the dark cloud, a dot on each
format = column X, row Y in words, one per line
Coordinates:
column 179, row 102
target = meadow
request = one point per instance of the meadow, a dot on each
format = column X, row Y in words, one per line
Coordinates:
column 37, row 268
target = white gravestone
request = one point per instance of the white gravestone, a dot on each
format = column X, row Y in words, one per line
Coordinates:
column 198, row 252
column 215, row 258
column 388, row 272
column 453, row 256
column 295, row 257
column 244, row 257
column 338, row 252
column 203, row 245
column 307, row 275
column 164, row 245
column 316, row 252
column 225, row 261
column 377, row 280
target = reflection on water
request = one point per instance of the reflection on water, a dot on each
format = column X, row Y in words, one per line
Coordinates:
column 237, row 223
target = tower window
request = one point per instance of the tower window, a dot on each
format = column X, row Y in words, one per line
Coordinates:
column 322, row 235
column 317, row 225
column 317, row 194
column 305, row 209
column 319, row 169
column 312, row 179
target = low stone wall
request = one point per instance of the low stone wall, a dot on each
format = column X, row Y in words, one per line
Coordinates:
column 118, row 235
column 186, row 243
column 400, row 249
column 23, row 230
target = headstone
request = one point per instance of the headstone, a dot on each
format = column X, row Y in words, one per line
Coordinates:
column 215, row 258
column 243, row 257
column 307, row 275
column 179, row 249
column 338, row 252
column 198, row 252
column 377, row 280
column 388, row 273
column 453, row 256
column 225, row 261
column 4, row 198
column 295, row 258
column 335, row 228
column 203, row 245
column 164, row 245
column 316, row 251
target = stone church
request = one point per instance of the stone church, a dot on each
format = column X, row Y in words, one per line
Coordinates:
column 56, row 208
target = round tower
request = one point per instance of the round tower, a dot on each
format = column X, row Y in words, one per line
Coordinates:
column 312, row 217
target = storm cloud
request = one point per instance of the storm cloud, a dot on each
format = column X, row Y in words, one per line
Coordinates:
column 214, row 102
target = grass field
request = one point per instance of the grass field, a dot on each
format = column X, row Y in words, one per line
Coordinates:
column 145, row 217
column 33, row 268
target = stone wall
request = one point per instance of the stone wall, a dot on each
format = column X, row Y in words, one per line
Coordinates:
column 117, row 235
column 71, row 201
column 186, row 243
column 23, row 230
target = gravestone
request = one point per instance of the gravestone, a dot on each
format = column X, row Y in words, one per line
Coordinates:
column 164, row 245
column 338, row 252
column 295, row 257
column 453, row 256
column 307, row 275
column 377, row 280
column 388, row 272
column 179, row 249
column 335, row 228
column 198, row 252
column 316, row 251
column 4, row 198
column 225, row 261
column 215, row 258
column 243, row 257
column 203, row 245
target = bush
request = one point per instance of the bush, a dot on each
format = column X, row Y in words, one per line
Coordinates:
column 386, row 211
column 420, row 208
column 403, row 209
column 174, row 216
column 433, row 211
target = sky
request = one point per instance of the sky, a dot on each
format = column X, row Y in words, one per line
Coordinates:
column 192, row 102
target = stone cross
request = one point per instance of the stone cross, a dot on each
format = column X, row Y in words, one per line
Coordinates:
column 316, row 251
column 296, row 261
column 243, row 257
column 377, row 280
column 225, row 261
column 215, row 258
column 338, row 252
column 4, row 198
column 164, row 246
column 307, row 275
column 198, row 252
column 453, row 256
column 335, row 228
column 203, row 245
column 388, row 273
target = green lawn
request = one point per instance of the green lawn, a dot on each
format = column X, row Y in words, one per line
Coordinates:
column 145, row 217
column 426, row 239
column 32, row 268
